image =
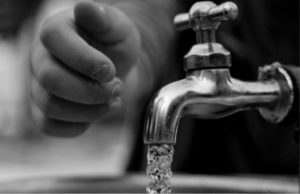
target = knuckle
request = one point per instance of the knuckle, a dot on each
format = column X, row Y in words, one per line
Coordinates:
column 49, row 30
column 46, row 103
column 53, row 30
column 48, row 77
column 46, row 80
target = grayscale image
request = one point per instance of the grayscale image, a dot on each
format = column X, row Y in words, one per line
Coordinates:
column 149, row 96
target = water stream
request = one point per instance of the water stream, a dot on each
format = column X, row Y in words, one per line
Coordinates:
column 159, row 158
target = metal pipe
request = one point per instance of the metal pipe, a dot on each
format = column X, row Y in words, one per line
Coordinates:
column 208, row 94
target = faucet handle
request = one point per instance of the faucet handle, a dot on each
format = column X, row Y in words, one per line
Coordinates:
column 204, row 18
column 206, row 15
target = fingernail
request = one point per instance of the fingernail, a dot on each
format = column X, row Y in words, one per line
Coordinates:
column 117, row 90
column 104, row 73
column 107, row 73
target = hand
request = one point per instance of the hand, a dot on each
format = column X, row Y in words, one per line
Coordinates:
column 78, row 63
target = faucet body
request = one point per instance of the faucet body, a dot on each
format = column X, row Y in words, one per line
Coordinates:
column 209, row 91
column 212, row 94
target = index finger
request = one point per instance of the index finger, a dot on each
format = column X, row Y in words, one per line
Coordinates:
column 59, row 35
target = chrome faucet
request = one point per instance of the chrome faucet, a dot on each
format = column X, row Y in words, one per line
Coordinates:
column 209, row 91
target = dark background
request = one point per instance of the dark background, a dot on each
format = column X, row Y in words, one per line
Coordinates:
column 265, row 31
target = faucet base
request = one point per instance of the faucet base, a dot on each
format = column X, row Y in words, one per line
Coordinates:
column 285, row 102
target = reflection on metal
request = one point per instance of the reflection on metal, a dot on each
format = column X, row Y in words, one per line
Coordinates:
column 209, row 91
column 213, row 93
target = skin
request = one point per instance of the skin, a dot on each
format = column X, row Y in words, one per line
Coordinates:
column 83, row 55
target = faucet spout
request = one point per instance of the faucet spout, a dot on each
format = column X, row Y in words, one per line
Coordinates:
column 212, row 94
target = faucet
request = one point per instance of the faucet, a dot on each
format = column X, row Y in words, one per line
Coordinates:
column 208, row 90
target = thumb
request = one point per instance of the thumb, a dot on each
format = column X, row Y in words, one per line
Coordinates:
column 103, row 23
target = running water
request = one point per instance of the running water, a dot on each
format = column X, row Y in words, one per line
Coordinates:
column 160, row 158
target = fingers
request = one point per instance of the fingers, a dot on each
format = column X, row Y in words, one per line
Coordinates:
column 56, row 108
column 60, row 38
column 56, row 127
column 74, row 65
column 62, row 118
column 62, row 128
column 112, row 32
column 105, row 23
column 69, row 85
column 67, row 100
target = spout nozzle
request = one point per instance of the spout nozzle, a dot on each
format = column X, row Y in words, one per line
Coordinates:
column 160, row 127
column 164, row 113
column 285, row 101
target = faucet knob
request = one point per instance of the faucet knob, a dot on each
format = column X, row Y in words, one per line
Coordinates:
column 206, row 15
column 204, row 18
